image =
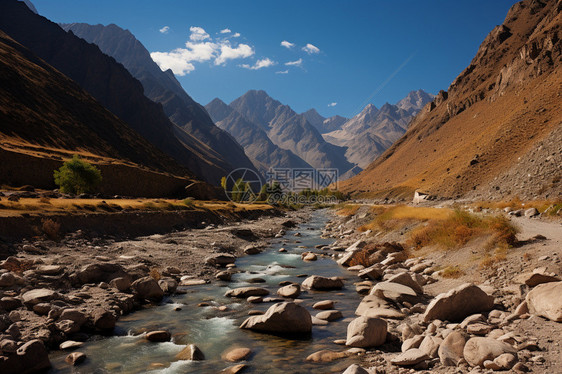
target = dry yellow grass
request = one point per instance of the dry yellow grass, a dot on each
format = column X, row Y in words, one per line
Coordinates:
column 391, row 218
column 69, row 206
column 347, row 210
column 553, row 206
column 452, row 272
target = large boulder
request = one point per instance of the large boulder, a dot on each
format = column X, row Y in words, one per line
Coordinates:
column 100, row 272
column 316, row 282
column 147, row 288
column 244, row 292
column 395, row 292
column 458, row 303
column 545, row 300
column 291, row 291
column 406, row 279
column 374, row 306
column 410, row 358
column 32, row 357
column 281, row 318
column 451, row 350
column 365, row 332
column 477, row 350
column 39, row 295
column 220, row 259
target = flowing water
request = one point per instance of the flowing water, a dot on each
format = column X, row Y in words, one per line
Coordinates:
column 215, row 332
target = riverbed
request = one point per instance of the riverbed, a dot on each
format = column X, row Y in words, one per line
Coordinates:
column 215, row 331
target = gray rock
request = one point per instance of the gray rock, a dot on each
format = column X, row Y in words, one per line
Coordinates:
column 281, row 318
column 244, row 292
column 544, row 300
column 374, row 306
column 291, row 291
column 451, row 350
column 409, row 358
column 220, row 259
column 355, row 369
column 365, row 332
column 329, row 315
column 477, row 350
column 40, row 295
column 147, row 288
column 191, row 353
column 458, row 303
column 316, row 282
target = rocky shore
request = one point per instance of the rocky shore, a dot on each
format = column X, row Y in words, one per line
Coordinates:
column 55, row 295
column 412, row 318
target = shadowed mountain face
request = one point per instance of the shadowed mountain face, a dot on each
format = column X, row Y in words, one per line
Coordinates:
column 162, row 87
column 46, row 117
column 493, row 125
column 253, row 138
column 111, row 84
column 371, row 132
column 291, row 131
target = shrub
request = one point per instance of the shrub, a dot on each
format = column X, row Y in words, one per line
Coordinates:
column 50, row 228
column 451, row 272
column 77, row 176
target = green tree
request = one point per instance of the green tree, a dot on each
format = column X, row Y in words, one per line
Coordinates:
column 77, row 176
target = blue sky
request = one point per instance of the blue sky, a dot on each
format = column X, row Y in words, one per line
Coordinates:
column 359, row 51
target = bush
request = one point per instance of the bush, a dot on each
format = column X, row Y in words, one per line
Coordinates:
column 50, row 228
column 77, row 176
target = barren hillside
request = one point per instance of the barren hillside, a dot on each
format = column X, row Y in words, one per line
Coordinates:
column 479, row 136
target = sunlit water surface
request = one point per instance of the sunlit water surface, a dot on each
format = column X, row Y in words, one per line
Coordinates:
column 214, row 332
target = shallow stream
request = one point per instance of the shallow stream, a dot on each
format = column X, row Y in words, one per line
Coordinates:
column 215, row 332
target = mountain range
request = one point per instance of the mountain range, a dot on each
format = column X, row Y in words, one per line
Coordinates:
column 285, row 129
column 496, row 132
column 162, row 87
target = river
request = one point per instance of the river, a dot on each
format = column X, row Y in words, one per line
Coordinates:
column 215, row 332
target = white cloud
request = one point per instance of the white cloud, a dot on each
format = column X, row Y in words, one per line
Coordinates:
column 201, row 47
column 236, row 35
column 198, row 34
column 165, row 29
column 332, row 104
column 173, row 60
column 263, row 63
column 230, row 53
column 282, row 72
column 287, row 44
column 311, row 49
column 294, row 63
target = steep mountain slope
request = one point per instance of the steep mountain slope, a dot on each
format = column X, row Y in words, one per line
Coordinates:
column 479, row 138
column 253, row 138
column 162, row 87
column 324, row 125
column 46, row 117
column 110, row 83
column 371, row 132
column 290, row 130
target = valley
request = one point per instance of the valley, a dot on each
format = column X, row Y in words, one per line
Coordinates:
column 321, row 213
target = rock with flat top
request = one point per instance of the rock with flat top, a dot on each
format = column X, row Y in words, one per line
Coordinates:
column 316, row 282
column 374, row 306
column 39, row 295
column 458, row 303
column 410, row 358
column 244, row 292
column 281, row 318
